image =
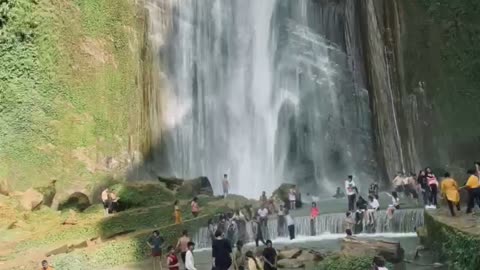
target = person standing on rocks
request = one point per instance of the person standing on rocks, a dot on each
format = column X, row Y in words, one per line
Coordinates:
column 281, row 221
column 473, row 188
column 189, row 259
column 155, row 242
column 252, row 262
column 433, row 184
column 290, row 225
column 292, row 197
column 449, row 188
column 221, row 252
column 225, row 186
column 182, row 245
column 424, row 188
column 105, row 200
column 270, row 257
column 351, row 191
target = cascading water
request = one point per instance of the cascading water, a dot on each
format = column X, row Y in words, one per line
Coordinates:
column 263, row 91
column 404, row 221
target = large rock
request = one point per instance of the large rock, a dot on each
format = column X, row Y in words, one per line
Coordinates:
column 391, row 251
column 290, row 263
column 194, row 187
column 289, row 253
column 30, row 199
column 310, row 256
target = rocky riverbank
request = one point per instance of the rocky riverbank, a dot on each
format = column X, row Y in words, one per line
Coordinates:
column 455, row 239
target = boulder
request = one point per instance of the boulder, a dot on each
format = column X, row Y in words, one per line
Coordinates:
column 195, row 187
column 290, row 263
column 171, row 183
column 48, row 193
column 391, row 251
column 289, row 253
column 310, row 256
column 30, row 199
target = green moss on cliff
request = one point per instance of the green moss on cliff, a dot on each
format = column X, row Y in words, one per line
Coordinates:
column 67, row 87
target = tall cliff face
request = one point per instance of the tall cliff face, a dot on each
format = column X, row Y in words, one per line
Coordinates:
column 421, row 63
column 69, row 89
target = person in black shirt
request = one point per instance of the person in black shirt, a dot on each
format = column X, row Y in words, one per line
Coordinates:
column 422, row 181
column 221, row 252
column 270, row 257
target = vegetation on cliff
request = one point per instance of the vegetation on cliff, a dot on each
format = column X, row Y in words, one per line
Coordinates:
column 67, row 88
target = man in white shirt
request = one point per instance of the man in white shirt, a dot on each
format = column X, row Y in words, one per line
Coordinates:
column 225, row 185
column 290, row 225
column 189, row 261
column 263, row 214
column 351, row 191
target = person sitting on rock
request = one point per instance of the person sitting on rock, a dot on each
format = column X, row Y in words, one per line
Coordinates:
column 270, row 257
column 339, row 193
column 373, row 189
column 379, row 263
column 113, row 202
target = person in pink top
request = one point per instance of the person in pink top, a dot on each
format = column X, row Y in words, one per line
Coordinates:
column 433, row 184
column 195, row 207
column 314, row 212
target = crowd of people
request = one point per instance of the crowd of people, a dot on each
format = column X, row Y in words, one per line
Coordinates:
column 229, row 231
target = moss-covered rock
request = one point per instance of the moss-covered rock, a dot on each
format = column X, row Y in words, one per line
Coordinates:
column 142, row 194
column 457, row 246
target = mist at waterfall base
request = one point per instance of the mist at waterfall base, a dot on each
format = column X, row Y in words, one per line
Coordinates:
column 266, row 92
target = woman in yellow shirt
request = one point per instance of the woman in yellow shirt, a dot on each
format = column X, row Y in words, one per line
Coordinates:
column 473, row 187
column 449, row 190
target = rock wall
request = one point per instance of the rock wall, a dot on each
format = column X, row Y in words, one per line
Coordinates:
column 458, row 247
column 421, row 63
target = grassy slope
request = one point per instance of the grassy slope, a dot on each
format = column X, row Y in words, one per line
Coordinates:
column 67, row 85
column 441, row 43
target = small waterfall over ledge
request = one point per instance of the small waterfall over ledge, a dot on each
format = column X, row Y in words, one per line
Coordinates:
column 403, row 221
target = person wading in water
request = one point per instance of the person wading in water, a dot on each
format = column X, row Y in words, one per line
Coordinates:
column 195, row 207
column 270, row 257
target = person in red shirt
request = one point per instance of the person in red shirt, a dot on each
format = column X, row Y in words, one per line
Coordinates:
column 172, row 260
column 313, row 216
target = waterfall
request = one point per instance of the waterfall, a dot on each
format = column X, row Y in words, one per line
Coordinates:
column 403, row 221
column 263, row 91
